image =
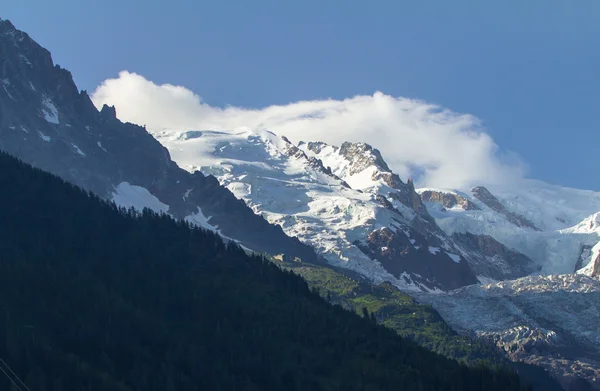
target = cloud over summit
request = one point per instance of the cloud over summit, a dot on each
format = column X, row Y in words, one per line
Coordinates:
column 437, row 146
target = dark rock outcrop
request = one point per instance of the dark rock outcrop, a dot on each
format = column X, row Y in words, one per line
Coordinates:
column 361, row 156
column 317, row 146
column 418, row 258
column 448, row 200
column 490, row 258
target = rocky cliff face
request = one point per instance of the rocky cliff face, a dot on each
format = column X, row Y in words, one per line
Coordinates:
column 402, row 255
column 448, row 200
column 484, row 195
column 45, row 121
column 492, row 258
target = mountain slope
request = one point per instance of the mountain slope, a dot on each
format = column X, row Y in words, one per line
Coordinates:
column 550, row 319
column 103, row 299
column 556, row 227
column 344, row 201
column 347, row 204
column 309, row 189
column 385, row 234
column 363, row 166
column 418, row 322
column 46, row 122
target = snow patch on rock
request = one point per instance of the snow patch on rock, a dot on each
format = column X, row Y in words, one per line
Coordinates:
column 78, row 150
column 44, row 137
column 127, row 196
column 50, row 111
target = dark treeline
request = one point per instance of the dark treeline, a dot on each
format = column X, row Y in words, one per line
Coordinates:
column 93, row 297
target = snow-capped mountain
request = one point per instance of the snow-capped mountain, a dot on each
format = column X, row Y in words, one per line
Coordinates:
column 46, row 122
column 549, row 318
column 347, row 204
column 556, row 227
column 342, row 204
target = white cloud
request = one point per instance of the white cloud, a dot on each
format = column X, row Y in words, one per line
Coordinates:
column 441, row 148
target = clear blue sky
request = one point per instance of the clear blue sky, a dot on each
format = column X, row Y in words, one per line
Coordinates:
column 530, row 68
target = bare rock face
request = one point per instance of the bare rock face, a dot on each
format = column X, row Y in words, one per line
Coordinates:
column 484, row 195
column 426, row 263
column 362, row 156
column 408, row 196
column 317, row 146
column 586, row 253
column 596, row 271
column 448, row 200
column 491, row 258
column 46, row 122
column 313, row 162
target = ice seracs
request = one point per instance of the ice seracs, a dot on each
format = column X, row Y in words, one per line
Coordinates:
column 552, row 321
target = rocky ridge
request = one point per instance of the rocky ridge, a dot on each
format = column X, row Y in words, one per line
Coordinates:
column 45, row 121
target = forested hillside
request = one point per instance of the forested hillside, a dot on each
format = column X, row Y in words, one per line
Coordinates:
column 97, row 298
column 418, row 322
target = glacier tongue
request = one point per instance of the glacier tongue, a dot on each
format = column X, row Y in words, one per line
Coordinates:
column 552, row 321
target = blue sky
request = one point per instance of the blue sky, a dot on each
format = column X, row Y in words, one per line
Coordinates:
column 529, row 69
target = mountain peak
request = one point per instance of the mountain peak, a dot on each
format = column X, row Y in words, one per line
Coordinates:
column 6, row 25
column 108, row 112
column 363, row 155
column 315, row 146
